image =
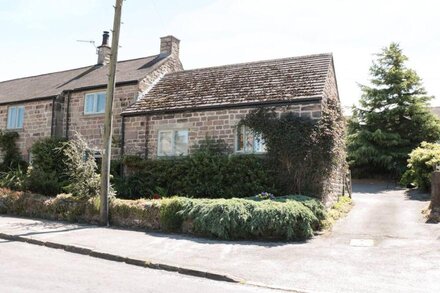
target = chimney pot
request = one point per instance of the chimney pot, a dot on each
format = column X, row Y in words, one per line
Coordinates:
column 105, row 37
column 104, row 50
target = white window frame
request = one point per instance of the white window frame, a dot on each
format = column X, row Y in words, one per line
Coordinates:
column 255, row 137
column 173, row 142
column 95, row 98
column 15, row 124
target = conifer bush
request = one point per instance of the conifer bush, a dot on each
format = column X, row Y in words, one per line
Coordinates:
column 47, row 173
column 392, row 119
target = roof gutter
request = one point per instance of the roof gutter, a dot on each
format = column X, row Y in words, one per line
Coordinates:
column 53, row 117
column 28, row 100
column 128, row 82
column 225, row 106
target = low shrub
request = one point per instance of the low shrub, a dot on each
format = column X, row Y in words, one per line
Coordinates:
column 171, row 218
column 140, row 214
column 47, row 183
column 315, row 206
column 247, row 219
column 286, row 219
column 13, row 179
column 63, row 207
column 421, row 163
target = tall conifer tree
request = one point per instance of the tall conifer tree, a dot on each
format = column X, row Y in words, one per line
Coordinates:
column 393, row 117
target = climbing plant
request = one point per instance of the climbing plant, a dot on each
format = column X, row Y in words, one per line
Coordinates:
column 9, row 151
column 303, row 152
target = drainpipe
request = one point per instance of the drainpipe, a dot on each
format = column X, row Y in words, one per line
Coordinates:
column 147, row 134
column 122, row 144
column 53, row 117
column 68, row 114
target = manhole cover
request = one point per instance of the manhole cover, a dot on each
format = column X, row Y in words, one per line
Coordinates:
column 362, row 242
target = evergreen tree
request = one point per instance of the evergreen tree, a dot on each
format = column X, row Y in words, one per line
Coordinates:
column 393, row 117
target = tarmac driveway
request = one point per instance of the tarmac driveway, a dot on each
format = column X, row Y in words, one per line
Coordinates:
column 383, row 245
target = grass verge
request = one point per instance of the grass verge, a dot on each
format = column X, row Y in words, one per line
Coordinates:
column 337, row 211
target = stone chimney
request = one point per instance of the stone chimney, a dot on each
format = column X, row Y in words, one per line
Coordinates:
column 104, row 50
column 169, row 45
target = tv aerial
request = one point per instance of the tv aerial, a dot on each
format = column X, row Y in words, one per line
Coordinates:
column 90, row 42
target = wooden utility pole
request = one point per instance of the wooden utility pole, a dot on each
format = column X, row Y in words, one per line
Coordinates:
column 108, row 122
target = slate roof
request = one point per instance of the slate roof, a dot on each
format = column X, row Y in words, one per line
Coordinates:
column 52, row 84
column 239, row 84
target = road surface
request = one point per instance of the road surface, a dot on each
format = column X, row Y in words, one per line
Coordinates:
column 31, row 268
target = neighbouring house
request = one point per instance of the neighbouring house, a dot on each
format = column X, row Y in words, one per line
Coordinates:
column 162, row 110
column 62, row 103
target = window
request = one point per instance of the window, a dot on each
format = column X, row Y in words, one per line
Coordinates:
column 249, row 142
column 94, row 103
column 173, row 143
column 15, row 117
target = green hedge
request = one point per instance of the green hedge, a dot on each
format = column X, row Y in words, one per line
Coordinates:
column 287, row 218
column 421, row 163
column 202, row 175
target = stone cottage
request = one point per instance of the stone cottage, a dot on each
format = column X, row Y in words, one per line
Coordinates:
column 162, row 110
column 185, row 107
column 62, row 103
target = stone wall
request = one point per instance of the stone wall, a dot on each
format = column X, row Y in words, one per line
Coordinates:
column 37, row 123
column 141, row 131
column 135, row 136
column 334, row 186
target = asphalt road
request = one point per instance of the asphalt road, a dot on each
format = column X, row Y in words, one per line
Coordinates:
column 30, row 268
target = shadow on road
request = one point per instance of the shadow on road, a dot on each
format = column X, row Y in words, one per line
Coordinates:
column 46, row 227
column 373, row 186
column 415, row 194
column 266, row 243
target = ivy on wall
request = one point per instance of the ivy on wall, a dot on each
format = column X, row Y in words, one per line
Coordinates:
column 9, row 150
column 303, row 152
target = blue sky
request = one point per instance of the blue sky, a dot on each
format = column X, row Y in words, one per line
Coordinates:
column 41, row 36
